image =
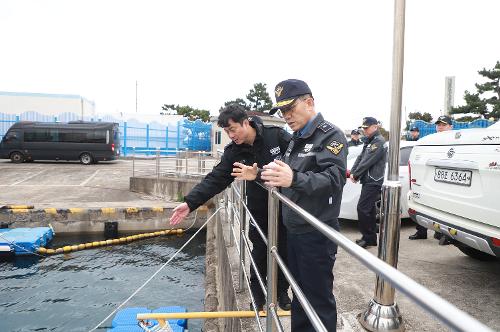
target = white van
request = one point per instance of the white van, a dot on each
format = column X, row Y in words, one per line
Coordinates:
column 455, row 188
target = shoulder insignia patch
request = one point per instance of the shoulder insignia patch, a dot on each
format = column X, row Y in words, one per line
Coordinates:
column 335, row 147
column 325, row 126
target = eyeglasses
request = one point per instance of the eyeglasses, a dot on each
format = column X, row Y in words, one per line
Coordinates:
column 288, row 110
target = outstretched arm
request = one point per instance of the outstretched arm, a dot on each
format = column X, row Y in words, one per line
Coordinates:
column 180, row 212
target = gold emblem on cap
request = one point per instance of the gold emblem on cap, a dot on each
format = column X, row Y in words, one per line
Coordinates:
column 278, row 91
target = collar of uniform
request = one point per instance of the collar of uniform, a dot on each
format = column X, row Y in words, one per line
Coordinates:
column 310, row 127
column 258, row 129
column 375, row 134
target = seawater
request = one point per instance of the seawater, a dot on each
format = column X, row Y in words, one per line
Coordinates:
column 75, row 291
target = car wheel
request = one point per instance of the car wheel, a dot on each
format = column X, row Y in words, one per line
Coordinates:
column 17, row 157
column 86, row 159
column 476, row 254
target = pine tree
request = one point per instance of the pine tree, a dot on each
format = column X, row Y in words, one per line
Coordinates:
column 259, row 99
column 486, row 102
column 187, row 111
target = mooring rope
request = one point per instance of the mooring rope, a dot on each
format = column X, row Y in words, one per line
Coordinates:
column 154, row 274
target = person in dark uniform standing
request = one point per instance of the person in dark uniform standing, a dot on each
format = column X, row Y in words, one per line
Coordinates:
column 255, row 145
column 369, row 168
column 355, row 141
column 312, row 175
column 414, row 134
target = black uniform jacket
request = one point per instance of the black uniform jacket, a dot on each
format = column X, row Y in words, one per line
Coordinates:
column 270, row 143
column 318, row 159
column 369, row 167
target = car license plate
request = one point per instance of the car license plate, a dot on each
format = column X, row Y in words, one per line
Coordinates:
column 453, row 176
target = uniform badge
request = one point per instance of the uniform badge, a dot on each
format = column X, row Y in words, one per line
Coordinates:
column 274, row 151
column 374, row 147
column 278, row 91
column 335, row 147
column 308, row 147
column 325, row 126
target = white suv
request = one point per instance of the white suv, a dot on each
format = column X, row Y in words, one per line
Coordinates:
column 455, row 188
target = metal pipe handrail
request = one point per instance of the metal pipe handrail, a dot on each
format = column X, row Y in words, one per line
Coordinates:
column 254, row 266
column 238, row 250
column 253, row 222
column 310, row 312
column 443, row 310
column 306, row 306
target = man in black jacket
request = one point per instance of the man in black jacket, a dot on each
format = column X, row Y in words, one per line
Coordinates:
column 369, row 168
column 253, row 144
column 312, row 175
column 355, row 141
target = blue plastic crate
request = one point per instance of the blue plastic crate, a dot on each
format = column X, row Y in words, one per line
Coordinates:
column 170, row 309
column 25, row 241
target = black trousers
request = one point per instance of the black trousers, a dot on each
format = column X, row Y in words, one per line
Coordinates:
column 421, row 229
column 367, row 213
column 311, row 257
column 259, row 255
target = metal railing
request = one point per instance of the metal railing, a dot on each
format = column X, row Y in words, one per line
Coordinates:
column 183, row 162
column 447, row 313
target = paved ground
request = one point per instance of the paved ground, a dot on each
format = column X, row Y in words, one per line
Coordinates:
column 471, row 285
column 70, row 184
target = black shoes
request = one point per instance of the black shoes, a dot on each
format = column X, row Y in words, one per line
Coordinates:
column 363, row 243
column 258, row 304
column 445, row 240
column 418, row 236
column 284, row 301
column 438, row 235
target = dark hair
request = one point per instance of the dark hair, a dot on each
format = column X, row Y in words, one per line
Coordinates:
column 234, row 112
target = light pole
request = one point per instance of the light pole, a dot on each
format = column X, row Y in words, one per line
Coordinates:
column 383, row 313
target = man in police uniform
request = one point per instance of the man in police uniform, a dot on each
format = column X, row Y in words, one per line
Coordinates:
column 443, row 123
column 355, row 141
column 254, row 145
column 312, row 175
column 414, row 133
column 369, row 168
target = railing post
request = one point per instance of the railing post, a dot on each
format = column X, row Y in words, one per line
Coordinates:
column 125, row 138
column 157, row 164
column 202, row 163
column 186, row 159
column 231, row 214
column 243, row 218
column 272, row 269
column 383, row 313
column 147, row 139
column 199, row 162
column 166, row 139
column 178, row 168
column 133, row 161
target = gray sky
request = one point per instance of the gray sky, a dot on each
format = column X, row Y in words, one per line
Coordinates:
column 203, row 53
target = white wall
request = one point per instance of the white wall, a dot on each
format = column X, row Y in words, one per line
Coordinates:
column 46, row 104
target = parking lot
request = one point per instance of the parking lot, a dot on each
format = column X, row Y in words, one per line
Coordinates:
column 70, row 184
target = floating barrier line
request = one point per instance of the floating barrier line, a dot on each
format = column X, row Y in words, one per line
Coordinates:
column 162, row 317
column 96, row 244
column 158, row 271
column 16, row 207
